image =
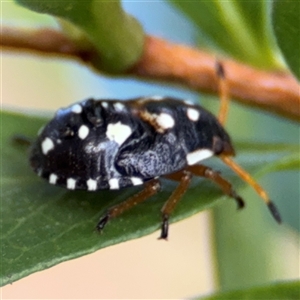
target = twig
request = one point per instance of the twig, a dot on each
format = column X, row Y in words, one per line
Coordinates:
column 272, row 91
column 42, row 41
column 162, row 60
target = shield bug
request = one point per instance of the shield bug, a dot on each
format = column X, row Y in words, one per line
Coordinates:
column 112, row 144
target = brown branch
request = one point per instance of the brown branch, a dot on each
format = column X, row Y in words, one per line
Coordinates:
column 42, row 41
column 162, row 60
column 272, row 91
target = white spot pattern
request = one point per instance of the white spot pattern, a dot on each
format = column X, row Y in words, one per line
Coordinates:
column 188, row 102
column 114, row 184
column 193, row 114
column 157, row 98
column 83, row 132
column 91, row 184
column 151, row 98
column 119, row 106
column 136, row 180
column 198, row 155
column 71, row 183
column 118, row 132
column 104, row 104
column 47, row 145
column 165, row 121
column 53, row 178
column 76, row 108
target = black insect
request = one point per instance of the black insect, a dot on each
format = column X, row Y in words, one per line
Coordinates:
column 112, row 144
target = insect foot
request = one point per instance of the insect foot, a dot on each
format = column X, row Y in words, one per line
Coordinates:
column 151, row 188
column 164, row 227
column 102, row 222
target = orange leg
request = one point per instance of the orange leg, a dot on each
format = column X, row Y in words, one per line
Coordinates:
column 150, row 189
column 247, row 178
column 214, row 176
column 184, row 179
column 224, row 98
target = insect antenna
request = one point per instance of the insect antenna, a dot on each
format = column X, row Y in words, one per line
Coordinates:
column 223, row 92
column 224, row 99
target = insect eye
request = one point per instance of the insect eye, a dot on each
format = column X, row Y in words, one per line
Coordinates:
column 217, row 145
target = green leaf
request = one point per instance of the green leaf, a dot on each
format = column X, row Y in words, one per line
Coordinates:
column 241, row 29
column 117, row 36
column 278, row 291
column 43, row 225
column 286, row 24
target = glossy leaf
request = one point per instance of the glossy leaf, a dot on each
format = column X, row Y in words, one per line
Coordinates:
column 241, row 29
column 117, row 36
column 286, row 23
column 44, row 225
column 278, row 291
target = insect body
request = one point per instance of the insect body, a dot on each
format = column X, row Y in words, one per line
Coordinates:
column 110, row 144
column 105, row 144
column 96, row 145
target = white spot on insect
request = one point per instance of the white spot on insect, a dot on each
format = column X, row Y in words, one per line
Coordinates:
column 164, row 121
column 58, row 141
column 114, row 184
column 76, row 108
column 198, row 155
column 151, row 98
column 53, row 178
column 71, row 183
column 160, row 122
column 193, row 114
column 83, row 132
column 188, row 102
column 157, row 98
column 91, row 184
column 118, row 132
column 136, row 180
column 119, row 106
column 104, row 104
column 47, row 145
